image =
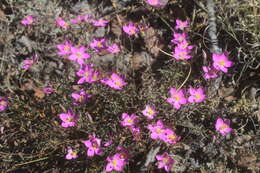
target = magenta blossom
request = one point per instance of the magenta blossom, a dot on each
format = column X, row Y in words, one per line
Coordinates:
column 157, row 130
column 65, row 48
column 100, row 22
column 221, row 62
column 181, row 25
column 135, row 131
column 71, row 154
column 108, row 143
column 48, row 90
column 177, row 98
column 155, row 3
column 181, row 54
column 210, row 72
column 79, row 55
column 98, row 44
column 117, row 161
column 81, row 97
column 170, row 136
column 179, row 37
column 28, row 20
column 165, row 161
column 28, row 63
column 149, row 112
column 87, row 17
column 223, row 126
column 114, row 81
column 69, row 119
column 130, row 29
column 93, row 145
column 184, row 45
column 114, row 48
column 87, row 74
column 128, row 120
column 197, row 95
column 62, row 23
column 3, row 103
column 77, row 19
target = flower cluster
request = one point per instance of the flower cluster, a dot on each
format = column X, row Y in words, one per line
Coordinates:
column 165, row 161
column 130, row 121
column 182, row 49
column 159, row 131
column 118, row 160
column 177, row 97
column 220, row 63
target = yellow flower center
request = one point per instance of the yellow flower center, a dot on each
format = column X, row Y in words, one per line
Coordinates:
column 177, row 98
column 66, row 48
column 172, row 137
column 158, row 130
column 223, row 127
column 69, row 119
column 150, row 111
column 130, row 121
column 2, row 103
column 197, row 96
column 114, row 162
column 165, row 160
column 86, row 74
column 79, row 55
column 99, row 44
column 222, row 62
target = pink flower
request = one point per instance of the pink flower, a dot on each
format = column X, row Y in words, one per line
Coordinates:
column 177, row 98
column 68, row 119
column 223, row 126
column 149, row 112
column 197, row 95
column 93, row 145
column 98, row 44
column 114, row 48
column 87, row 74
column 210, row 72
column 221, row 62
column 3, row 103
column 87, row 17
column 181, row 25
column 157, row 130
column 114, row 81
column 179, row 37
column 100, row 22
column 71, row 154
column 28, row 63
column 48, row 90
column 155, row 2
column 165, row 161
column 79, row 55
column 135, row 131
column 28, row 20
column 170, row 136
column 184, row 45
column 108, row 143
column 77, row 19
column 65, row 48
column 130, row 29
column 81, row 97
column 181, row 54
column 62, row 23
column 117, row 161
column 128, row 120
column 114, row 163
